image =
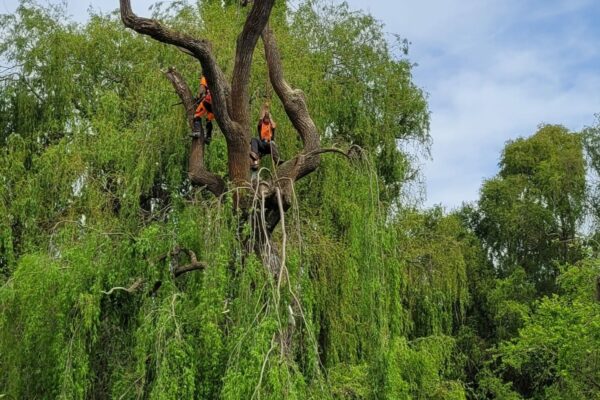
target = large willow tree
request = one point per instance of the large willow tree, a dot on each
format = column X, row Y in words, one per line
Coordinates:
column 128, row 262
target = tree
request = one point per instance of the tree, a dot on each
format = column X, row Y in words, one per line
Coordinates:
column 231, row 104
column 591, row 141
column 97, row 215
column 528, row 215
column 555, row 354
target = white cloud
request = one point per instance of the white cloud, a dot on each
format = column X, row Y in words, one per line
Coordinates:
column 494, row 70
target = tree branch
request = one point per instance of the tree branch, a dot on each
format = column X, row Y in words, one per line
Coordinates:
column 184, row 92
column 246, row 43
column 199, row 48
column 198, row 175
column 189, row 267
column 134, row 287
column 296, row 109
column 194, row 264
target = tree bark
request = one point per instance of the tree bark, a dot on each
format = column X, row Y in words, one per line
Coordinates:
column 196, row 172
column 231, row 107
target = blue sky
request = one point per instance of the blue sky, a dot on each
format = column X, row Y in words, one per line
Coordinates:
column 494, row 70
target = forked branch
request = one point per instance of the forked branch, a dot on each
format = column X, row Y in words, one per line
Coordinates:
column 193, row 265
column 199, row 48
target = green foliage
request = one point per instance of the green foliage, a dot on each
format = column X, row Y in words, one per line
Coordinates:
column 375, row 300
column 591, row 142
column 420, row 370
column 435, row 249
column 509, row 303
column 540, row 286
column 555, row 354
column 529, row 214
column 94, row 195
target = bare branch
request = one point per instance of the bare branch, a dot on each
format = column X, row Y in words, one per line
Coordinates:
column 348, row 154
column 199, row 48
column 296, row 109
column 194, row 264
column 184, row 92
column 134, row 287
column 189, row 267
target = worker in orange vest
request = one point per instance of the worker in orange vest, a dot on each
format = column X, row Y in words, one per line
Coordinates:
column 203, row 110
column 264, row 144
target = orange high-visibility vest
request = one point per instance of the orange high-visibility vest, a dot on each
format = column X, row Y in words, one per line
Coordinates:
column 266, row 131
column 207, row 96
column 201, row 110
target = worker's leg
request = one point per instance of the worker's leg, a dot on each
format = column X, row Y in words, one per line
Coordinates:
column 274, row 151
column 264, row 148
column 209, row 128
column 254, row 153
column 197, row 128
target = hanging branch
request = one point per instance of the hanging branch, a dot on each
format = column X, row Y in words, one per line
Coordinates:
column 131, row 289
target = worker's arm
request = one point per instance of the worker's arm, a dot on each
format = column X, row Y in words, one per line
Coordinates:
column 272, row 133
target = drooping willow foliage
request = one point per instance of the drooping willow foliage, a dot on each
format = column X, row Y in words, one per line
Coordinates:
column 95, row 198
column 381, row 301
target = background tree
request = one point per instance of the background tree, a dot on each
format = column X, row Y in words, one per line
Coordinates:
column 528, row 216
column 591, row 140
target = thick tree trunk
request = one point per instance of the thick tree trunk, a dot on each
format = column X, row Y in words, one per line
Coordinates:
column 238, row 159
column 231, row 106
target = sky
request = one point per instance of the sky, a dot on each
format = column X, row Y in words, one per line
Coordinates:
column 493, row 71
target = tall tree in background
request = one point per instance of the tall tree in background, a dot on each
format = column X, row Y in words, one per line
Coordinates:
column 529, row 214
column 591, row 141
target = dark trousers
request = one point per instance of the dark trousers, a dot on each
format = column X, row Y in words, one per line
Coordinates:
column 262, row 147
column 198, row 128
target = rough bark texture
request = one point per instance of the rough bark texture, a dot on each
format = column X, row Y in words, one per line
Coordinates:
column 196, row 171
column 231, row 106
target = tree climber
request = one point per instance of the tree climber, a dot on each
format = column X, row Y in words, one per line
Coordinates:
column 203, row 110
column 264, row 143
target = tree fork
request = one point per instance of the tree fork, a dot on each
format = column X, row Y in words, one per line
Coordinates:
column 231, row 106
